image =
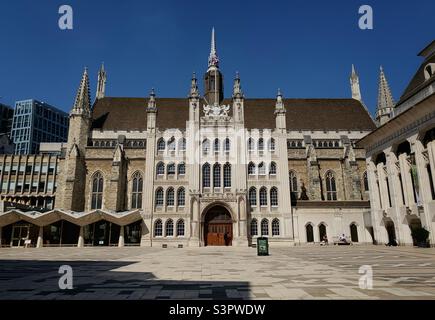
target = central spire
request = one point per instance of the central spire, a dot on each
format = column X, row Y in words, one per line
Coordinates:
column 213, row 59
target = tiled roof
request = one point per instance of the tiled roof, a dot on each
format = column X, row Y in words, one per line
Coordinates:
column 302, row 114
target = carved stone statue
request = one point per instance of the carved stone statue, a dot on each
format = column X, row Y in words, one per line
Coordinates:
column 304, row 195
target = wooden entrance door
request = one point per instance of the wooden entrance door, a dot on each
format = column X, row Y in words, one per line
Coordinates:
column 218, row 227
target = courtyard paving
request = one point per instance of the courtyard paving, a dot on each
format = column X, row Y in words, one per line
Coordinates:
column 302, row 272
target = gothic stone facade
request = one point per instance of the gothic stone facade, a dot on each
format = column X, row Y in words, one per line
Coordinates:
column 401, row 159
column 185, row 171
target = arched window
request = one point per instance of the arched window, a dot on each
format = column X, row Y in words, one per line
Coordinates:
column 96, row 143
column 250, row 144
column 158, row 228
column 227, row 145
column 272, row 169
column 293, row 184
column 260, row 144
column 366, row 181
column 160, row 169
column 336, row 145
column 299, row 144
column 181, row 197
column 253, row 196
column 293, row 144
column 182, row 144
column 171, row 168
column 216, row 145
column 136, row 191
column 275, row 227
column 251, row 168
column 254, row 227
column 97, row 191
column 170, row 194
column 227, row 175
column 274, row 197
column 171, row 144
column 310, row 233
column 331, row 189
column 261, row 168
column 263, row 196
column 169, row 228
column 322, row 231
column 205, row 146
column 180, row 228
column 206, row 175
column 181, row 168
column 330, row 144
column 264, row 227
column 161, row 145
column 272, row 144
column 353, row 232
column 216, row 175
column 159, row 197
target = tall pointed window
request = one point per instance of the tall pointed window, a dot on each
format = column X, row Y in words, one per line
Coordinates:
column 161, row 145
column 264, row 227
column 274, row 197
column 251, row 168
column 158, row 228
column 180, row 228
column 253, row 197
column 206, row 146
column 275, row 227
column 182, row 144
column 331, row 189
column 136, row 191
column 171, row 144
column 159, row 197
column 216, row 175
column 250, row 144
column 227, row 145
column 366, row 181
column 260, row 144
column 169, row 228
column 272, row 169
column 181, row 169
column 254, row 227
column 160, row 169
column 181, row 197
column 263, row 196
column 262, row 169
column 171, row 168
column 206, row 175
column 97, row 191
column 216, row 145
column 227, row 175
column 293, row 185
column 170, row 197
column 272, row 145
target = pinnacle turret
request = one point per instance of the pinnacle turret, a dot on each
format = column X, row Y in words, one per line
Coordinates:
column 82, row 103
column 385, row 99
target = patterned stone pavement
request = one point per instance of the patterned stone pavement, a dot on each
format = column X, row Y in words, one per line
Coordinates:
column 304, row 272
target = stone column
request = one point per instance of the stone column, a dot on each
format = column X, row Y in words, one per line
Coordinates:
column 406, row 180
column 431, row 154
column 121, row 237
column 375, row 202
column 40, row 241
column 81, row 241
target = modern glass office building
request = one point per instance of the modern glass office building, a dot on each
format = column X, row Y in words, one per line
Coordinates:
column 6, row 115
column 35, row 122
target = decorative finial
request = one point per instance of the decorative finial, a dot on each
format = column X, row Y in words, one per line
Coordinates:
column 279, row 106
column 237, row 88
column 194, row 92
column 152, row 101
column 213, row 60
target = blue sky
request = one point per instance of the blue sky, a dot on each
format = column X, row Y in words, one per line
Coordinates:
column 306, row 48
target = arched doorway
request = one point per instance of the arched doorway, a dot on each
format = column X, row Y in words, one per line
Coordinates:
column 218, row 227
column 322, row 231
column 389, row 225
column 310, row 233
column 353, row 232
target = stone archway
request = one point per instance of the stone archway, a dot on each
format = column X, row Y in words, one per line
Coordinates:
column 217, row 226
